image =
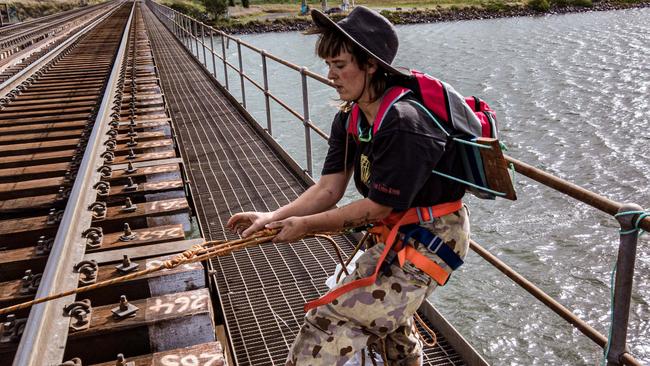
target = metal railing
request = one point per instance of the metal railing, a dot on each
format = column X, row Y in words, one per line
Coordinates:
column 199, row 38
column 192, row 34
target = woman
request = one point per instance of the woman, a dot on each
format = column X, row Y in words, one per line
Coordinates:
column 392, row 170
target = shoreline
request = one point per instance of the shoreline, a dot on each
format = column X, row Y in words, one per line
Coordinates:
column 420, row 16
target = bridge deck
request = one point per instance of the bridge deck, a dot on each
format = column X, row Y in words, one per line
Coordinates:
column 231, row 168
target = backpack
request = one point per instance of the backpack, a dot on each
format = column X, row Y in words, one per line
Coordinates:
column 468, row 122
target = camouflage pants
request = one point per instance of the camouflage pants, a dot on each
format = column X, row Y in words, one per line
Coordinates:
column 378, row 314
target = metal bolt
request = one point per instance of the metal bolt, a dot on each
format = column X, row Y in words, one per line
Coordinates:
column 129, row 206
column 125, row 309
column 132, row 142
column 53, row 216
column 98, row 210
column 102, row 188
column 44, row 245
column 81, row 311
column 128, row 233
column 130, row 185
column 12, row 329
column 112, row 132
column 127, row 266
column 106, row 171
column 121, row 361
column 130, row 169
column 73, row 362
column 132, row 132
column 131, row 155
column 26, row 282
column 94, row 236
column 124, row 303
column 88, row 271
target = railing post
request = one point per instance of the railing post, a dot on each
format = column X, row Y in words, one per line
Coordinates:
column 175, row 28
column 196, row 39
column 623, row 284
column 241, row 73
column 214, row 61
column 186, row 33
column 225, row 63
column 205, row 58
column 266, row 94
column 305, row 107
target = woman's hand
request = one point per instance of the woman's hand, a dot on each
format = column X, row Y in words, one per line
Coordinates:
column 291, row 229
column 246, row 223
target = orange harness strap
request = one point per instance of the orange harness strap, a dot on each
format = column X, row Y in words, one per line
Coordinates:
column 412, row 216
column 426, row 265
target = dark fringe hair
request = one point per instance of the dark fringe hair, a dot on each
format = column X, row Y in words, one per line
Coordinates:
column 331, row 43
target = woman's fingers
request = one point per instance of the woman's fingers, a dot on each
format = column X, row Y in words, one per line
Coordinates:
column 256, row 225
column 240, row 219
column 274, row 225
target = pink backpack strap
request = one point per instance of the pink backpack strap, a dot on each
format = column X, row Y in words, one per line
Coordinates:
column 353, row 120
column 390, row 97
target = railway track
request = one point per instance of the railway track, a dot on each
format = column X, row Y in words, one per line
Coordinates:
column 21, row 49
column 92, row 187
column 13, row 29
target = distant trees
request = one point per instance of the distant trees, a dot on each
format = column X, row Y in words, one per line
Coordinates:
column 216, row 7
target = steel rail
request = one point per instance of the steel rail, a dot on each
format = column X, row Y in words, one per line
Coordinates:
column 44, row 338
column 42, row 28
column 590, row 198
column 51, row 17
column 25, row 73
column 583, row 195
column 61, row 33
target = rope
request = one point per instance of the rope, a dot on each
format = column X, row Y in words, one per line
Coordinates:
column 612, row 278
column 337, row 249
column 637, row 222
column 430, row 332
column 196, row 253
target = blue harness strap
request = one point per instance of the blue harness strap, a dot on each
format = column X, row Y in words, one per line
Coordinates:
column 433, row 243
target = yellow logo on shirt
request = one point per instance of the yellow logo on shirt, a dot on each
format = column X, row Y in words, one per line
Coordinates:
column 365, row 169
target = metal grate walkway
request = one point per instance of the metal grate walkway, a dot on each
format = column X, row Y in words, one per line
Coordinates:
column 231, row 169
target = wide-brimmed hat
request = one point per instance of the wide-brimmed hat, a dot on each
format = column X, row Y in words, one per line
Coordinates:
column 369, row 30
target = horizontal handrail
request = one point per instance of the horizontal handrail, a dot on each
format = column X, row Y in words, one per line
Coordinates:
column 581, row 194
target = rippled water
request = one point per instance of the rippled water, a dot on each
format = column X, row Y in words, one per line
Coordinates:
column 571, row 92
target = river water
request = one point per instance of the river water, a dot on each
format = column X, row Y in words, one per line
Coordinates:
column 572, row 96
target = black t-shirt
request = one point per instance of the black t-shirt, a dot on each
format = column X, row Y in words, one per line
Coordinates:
column 394, row 167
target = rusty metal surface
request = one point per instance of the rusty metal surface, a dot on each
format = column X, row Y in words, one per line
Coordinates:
column 262, row 290
column 141, row 209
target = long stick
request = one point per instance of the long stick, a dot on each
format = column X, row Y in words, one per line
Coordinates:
column 197, row 253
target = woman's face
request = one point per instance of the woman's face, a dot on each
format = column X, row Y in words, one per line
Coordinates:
column 347, row 77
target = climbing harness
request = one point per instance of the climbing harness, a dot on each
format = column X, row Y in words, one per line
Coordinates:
column 387, row 233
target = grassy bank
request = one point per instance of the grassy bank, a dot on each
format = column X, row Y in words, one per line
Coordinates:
column 28, row 9
column 278, row 15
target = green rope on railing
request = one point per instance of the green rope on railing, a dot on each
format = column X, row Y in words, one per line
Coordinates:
column 637, row 229
column 637, row 222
